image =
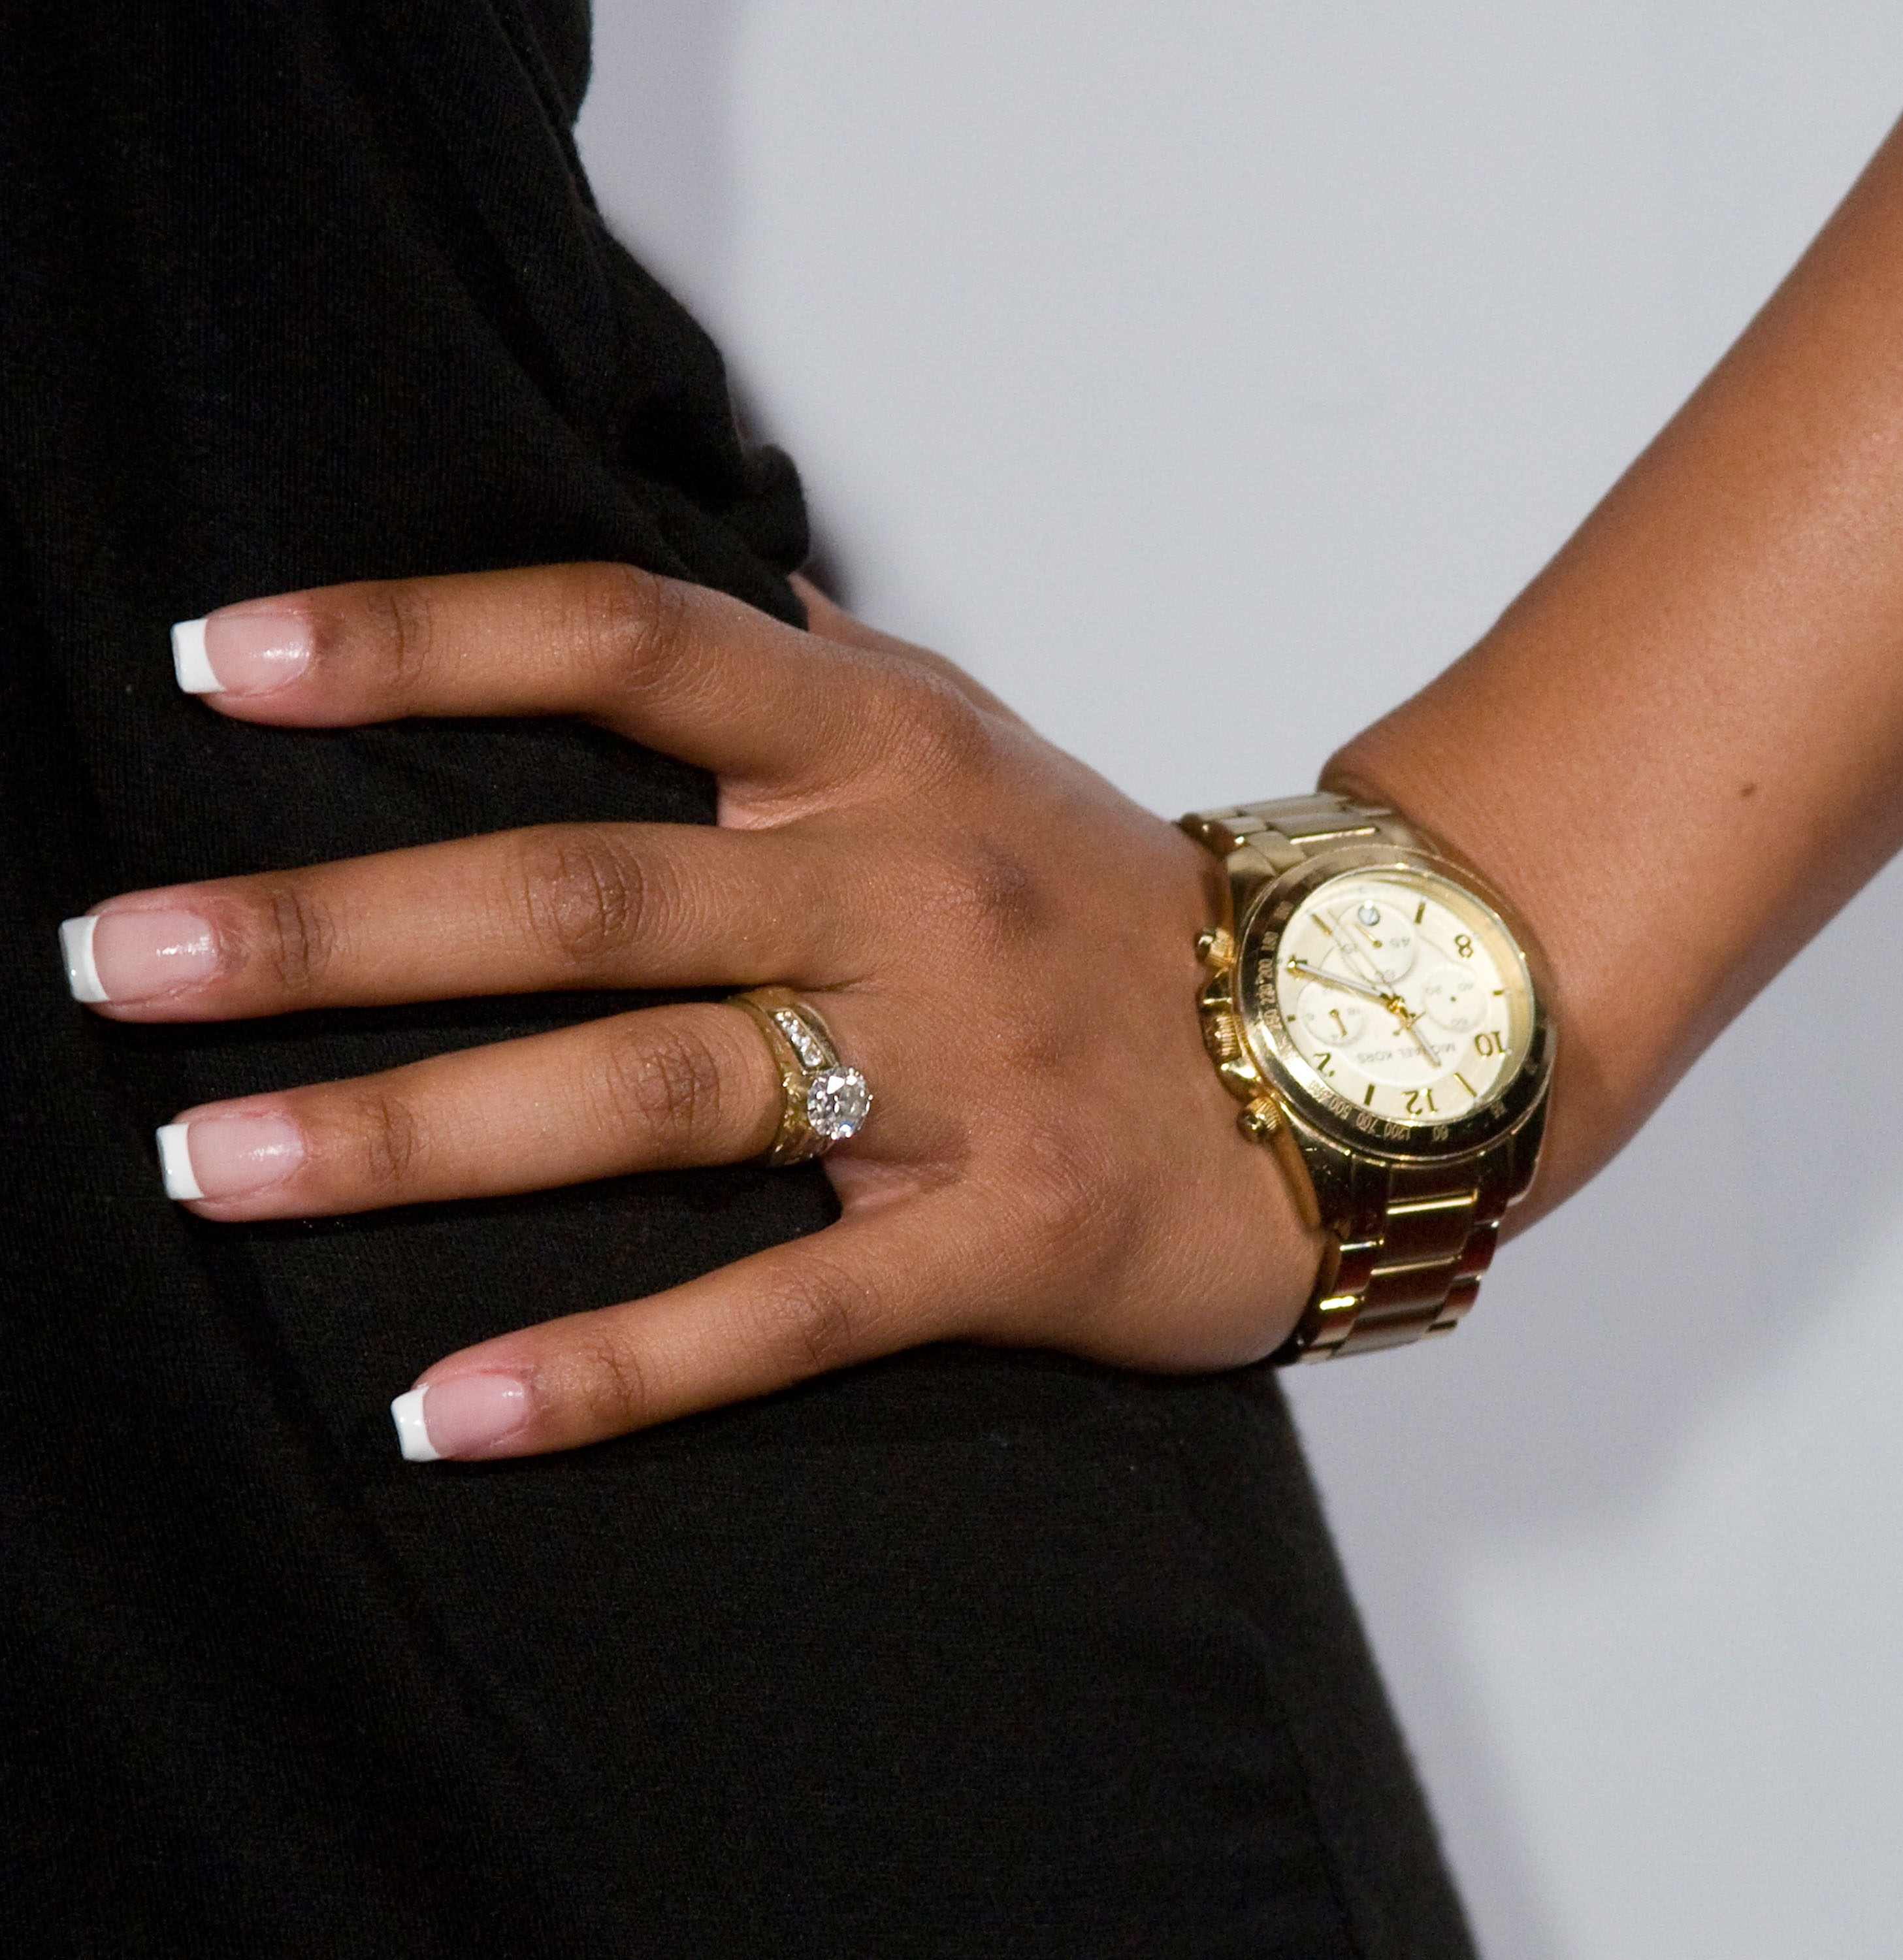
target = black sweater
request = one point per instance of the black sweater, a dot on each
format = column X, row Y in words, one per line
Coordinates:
column 964, row 1653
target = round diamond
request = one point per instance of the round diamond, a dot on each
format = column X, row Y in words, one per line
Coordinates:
column 836, row 1102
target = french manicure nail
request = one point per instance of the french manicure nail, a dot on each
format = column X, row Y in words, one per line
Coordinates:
column 466, row 1415
column 82, row 972
column 241, row 650
column 137, row 955
column 227, row 1157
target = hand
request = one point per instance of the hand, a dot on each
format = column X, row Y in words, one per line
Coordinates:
column 1002, row 944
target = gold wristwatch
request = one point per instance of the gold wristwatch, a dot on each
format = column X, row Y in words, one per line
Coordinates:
column 1379, row 1014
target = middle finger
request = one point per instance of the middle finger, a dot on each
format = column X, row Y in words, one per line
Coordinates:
column 520, row 912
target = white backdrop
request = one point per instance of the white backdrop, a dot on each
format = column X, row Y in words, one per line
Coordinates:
column 1203, row 375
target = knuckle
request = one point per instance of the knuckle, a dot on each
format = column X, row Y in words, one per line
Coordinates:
column 986, row 893
column 613, row 1385
column 936, row 730
column 1005, row 891
column 639, row 621
column 300, row 936
column 813, row 1318
column 397, row 626
column 583, row 896
column 670, row 1088
column 389, row 1142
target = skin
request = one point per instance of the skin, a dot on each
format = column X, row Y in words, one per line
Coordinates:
column 1679, row 753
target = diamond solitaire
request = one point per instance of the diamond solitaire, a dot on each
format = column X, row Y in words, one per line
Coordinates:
column 837, row 1101
column 822, row 1100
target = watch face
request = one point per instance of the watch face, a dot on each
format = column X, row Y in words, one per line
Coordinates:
column 1395, row 1000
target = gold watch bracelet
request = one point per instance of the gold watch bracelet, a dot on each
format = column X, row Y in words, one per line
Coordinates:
column 1406, row 1244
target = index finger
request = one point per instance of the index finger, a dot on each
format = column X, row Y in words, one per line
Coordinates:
column 673, row 666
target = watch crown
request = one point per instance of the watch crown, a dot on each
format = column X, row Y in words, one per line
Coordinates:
column 1214, row 947
column 1259, row 1122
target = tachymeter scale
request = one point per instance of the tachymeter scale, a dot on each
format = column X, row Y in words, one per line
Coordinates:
column 1403, row 993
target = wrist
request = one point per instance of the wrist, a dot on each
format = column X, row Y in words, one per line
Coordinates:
column 1531, row 828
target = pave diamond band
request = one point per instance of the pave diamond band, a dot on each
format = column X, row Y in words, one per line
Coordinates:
column 824, row 1101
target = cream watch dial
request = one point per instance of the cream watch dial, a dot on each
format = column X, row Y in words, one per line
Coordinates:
column 1404, row 995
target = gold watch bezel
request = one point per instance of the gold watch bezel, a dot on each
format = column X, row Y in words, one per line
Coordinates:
column 1294, row 1084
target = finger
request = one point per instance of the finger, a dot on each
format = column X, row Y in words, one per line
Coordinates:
column 657, row 1090
column 677, row 667
column 826, row 617
column 557, row 906
column 867, row 1286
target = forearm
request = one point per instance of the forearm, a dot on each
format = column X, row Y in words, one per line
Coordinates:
column 1681, row 750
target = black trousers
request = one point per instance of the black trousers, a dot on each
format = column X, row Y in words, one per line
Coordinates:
column 967, row 1654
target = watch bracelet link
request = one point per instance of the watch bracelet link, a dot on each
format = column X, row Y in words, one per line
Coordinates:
column 1286, row 830
column 1405, row 1264
column 1405, row 1260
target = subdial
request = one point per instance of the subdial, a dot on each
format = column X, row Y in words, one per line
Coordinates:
column 1382, row 935
column 1456, row 1000
column 1332, row 1019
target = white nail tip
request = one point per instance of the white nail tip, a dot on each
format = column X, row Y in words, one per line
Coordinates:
column 412, row 1439
column 82, row 974
column 175, row 1163
column 189, row 660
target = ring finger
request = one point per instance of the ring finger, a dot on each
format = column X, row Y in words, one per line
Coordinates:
column 660, row 1089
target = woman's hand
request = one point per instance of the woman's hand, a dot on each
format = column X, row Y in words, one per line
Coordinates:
column 999, row 940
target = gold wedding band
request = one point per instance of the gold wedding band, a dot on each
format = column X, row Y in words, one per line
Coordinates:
column 822, row 1101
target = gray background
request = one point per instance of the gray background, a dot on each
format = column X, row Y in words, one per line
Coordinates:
column 1204, row 376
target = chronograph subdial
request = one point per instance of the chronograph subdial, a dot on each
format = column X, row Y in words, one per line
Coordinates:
column 1331, row 1018
column 1381, row 934
column 1453, row 999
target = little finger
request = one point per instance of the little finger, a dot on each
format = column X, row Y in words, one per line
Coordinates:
column 864, row 1287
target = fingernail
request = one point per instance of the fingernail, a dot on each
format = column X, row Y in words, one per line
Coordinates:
column 467, row 1415
column 241, row 650
column 82, row 973
column 137, row 955
column 227, row 1157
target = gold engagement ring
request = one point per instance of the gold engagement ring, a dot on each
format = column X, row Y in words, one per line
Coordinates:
column 823, row 1101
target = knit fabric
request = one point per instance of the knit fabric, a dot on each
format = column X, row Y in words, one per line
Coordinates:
column 965, row 1653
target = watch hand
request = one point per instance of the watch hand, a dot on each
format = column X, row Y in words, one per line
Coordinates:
column 1346, row 982
column 1407, row 1019
column 1348, row 950
column 1404, row 1015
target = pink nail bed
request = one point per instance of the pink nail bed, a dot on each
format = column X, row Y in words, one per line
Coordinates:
column 463, row 1416
column 241, row 650
column 125, row 956
column 227, row 1157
